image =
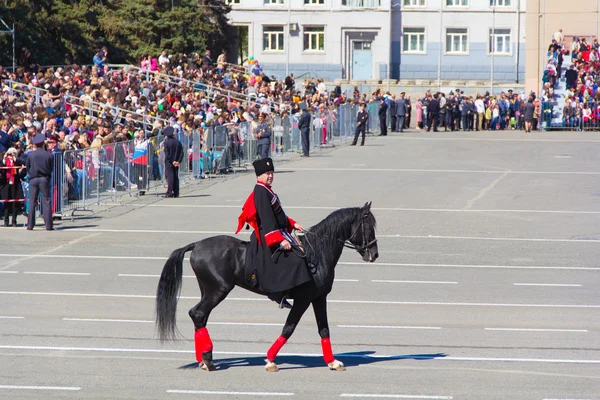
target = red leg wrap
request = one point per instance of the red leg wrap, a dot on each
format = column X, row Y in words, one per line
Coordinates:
column 327, row 353
column 202, row 342
column 272, row 353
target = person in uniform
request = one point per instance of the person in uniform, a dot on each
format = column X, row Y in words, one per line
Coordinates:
column 173, row 157
column 263, row 136
column 304, row 126
column 383, row 107
column 39, row 164
column 274, row 256
column 361, row 125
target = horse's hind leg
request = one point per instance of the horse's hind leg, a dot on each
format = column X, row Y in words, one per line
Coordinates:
column 199, row 315
column 300, row 306
column 320, row 308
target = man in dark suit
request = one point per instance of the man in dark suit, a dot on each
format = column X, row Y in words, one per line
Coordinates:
column 304, row 126
column 40, row 165
column 383, row 107
column 392, row 101
column 361, row 124
column 433, row 109
column 401, row 112
column 173, row 158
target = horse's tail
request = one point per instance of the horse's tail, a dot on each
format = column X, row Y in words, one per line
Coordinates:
column 167, row 293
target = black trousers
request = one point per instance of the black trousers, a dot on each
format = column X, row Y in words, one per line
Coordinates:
column 432, row 119
column 305, row 141
column 360, row 129
column 383, row 125
column 172, row 174
column 37, row 186
column 9, row 207
column 393, row 124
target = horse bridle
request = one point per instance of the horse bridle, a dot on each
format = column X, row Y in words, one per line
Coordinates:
column 365, row 245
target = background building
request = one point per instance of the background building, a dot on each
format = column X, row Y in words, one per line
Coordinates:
column 466, row 40
column 331, row 39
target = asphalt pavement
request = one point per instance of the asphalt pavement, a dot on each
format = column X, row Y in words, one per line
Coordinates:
column 486, row 286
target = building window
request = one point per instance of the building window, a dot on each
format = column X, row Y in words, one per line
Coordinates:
column 361, row 3
column 413, row 40
column 414, row 3
column 499, row 3
column 457, row 41
column 314, row 38
column 273, row 1
column 314, row 2
column 499, row 41
column 457, row 3
column 273, row 38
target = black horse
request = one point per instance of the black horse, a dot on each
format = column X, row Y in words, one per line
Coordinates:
column 219, row 265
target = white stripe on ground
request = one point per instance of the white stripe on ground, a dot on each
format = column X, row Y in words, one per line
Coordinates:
column 472, row 266
column 75, row 256
column 390, row 236
column 401, row 209
column 14, row 387
column 571, row 399
column 389, row 327
column 394, row 396
column 426, row 282
column 261, row 354
column 10, row 317
column 57, row 273
column 208, row 392
column 536, row 330
column 193, row 276
column 381, row 302
column 548, row 284
column 443, row 171
column 140, row 321
column 10, row 272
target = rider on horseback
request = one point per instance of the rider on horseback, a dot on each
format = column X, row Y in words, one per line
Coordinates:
column 274, row 258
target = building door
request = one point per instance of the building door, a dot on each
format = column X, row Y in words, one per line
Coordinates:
column 361, row 61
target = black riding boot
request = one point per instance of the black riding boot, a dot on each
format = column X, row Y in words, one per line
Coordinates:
column 279, row 298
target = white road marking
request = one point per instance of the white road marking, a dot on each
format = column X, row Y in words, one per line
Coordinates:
column 392, row 236
column 240, row 353
column 9, row 272
column 75, row 256
column 230, row 393
column 57, row 273
column 444, row 171
column 380, row 302
column 401, row 209
column 193, row 276
column 139, row 321
column 571, row 399
column 395, row 396
column 472, row 266
column 389, row 327
column 536, row 330
column 14, row 387
column 548, row 284
column 426, row 282
column 565, row 156
column 10, row 317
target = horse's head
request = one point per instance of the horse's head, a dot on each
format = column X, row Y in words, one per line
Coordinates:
column 363, row 234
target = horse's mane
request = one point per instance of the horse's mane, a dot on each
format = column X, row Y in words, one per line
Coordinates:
column 324, row 238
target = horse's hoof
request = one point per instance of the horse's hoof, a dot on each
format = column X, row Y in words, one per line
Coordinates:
column 207, row 366
column 271, row 366
column 336, row 365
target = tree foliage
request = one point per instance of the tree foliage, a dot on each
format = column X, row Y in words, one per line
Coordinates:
column 63, row 31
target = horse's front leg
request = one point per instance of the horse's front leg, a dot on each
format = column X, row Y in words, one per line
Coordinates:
column 300, row 306
column 320, row 308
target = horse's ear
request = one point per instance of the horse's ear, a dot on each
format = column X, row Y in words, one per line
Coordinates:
column 367, row 206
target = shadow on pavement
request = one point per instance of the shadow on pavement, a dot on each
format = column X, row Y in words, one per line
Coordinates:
column 301, row 362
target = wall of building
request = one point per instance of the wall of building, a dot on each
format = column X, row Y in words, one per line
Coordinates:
column 544, row 18
column 343, row 26
column 478, row 18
